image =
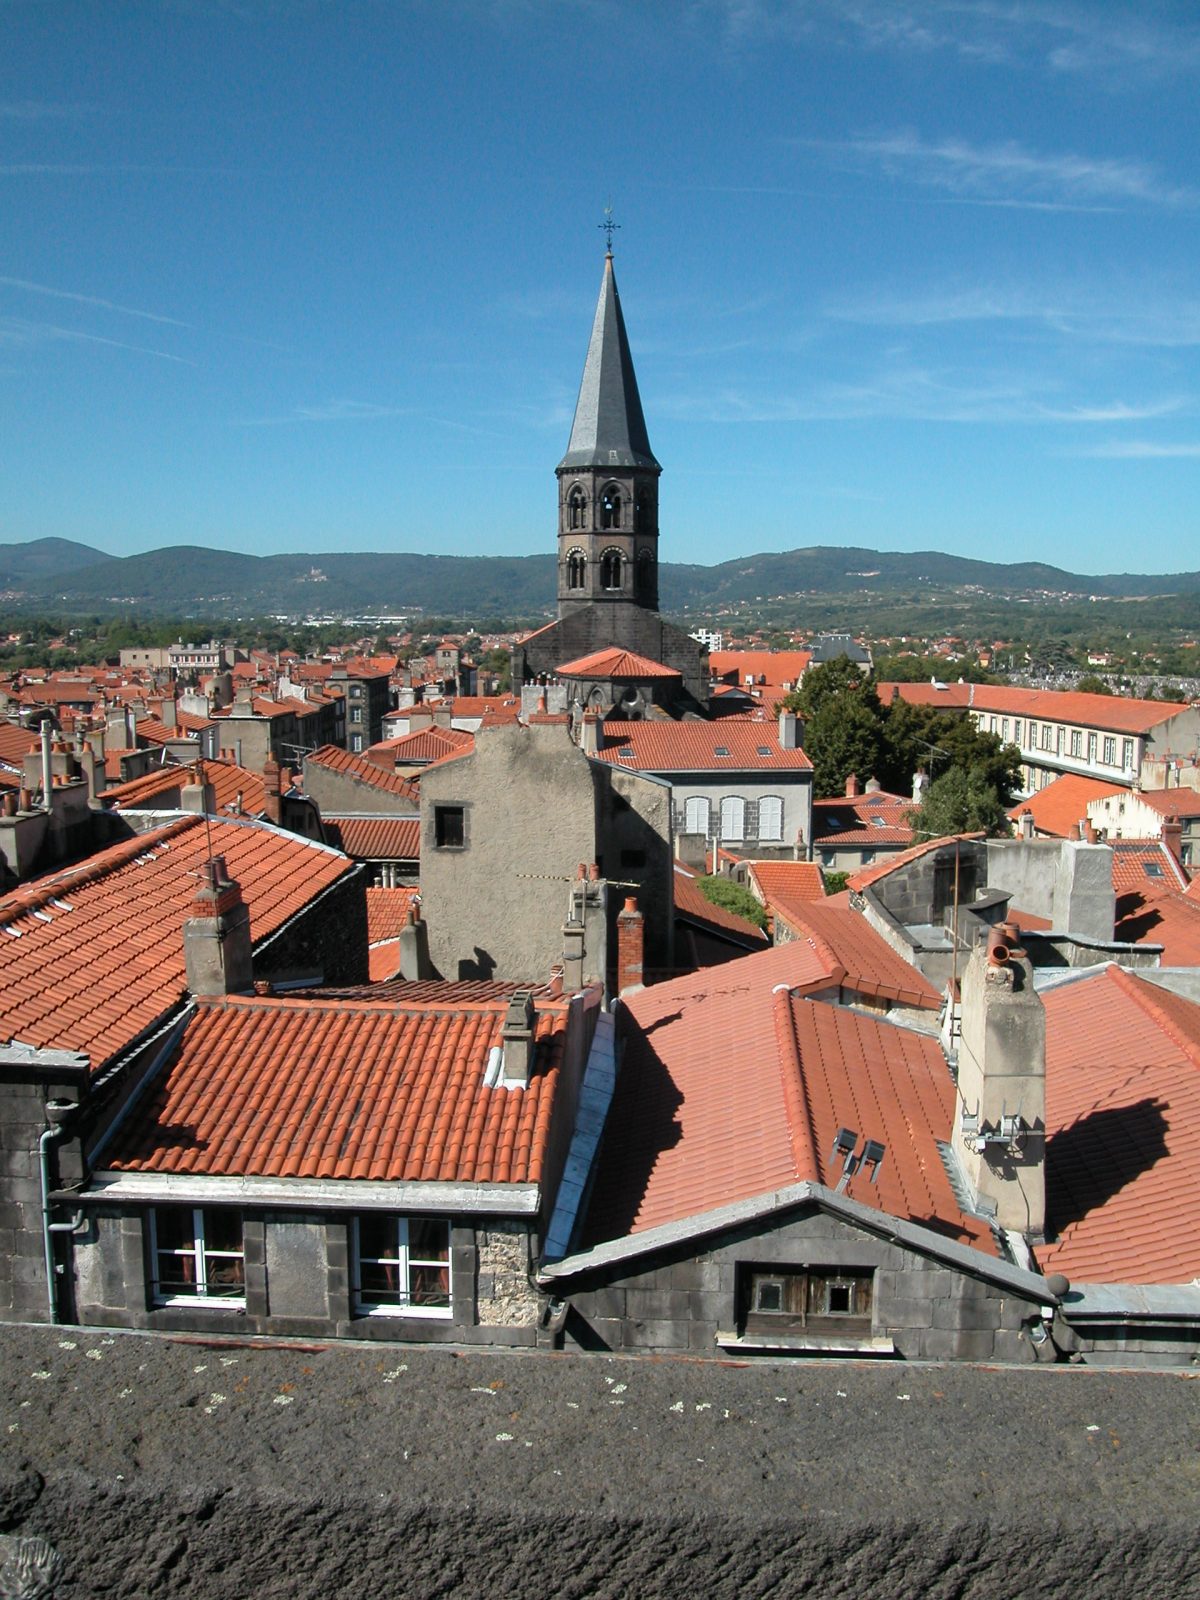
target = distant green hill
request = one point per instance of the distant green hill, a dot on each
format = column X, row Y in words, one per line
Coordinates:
column 40, row 558
column 59, row 575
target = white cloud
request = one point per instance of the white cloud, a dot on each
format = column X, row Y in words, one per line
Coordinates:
column 18, row 331
column 88, row 300
column 1141, row 450
column 1008, row 173
column 330, row 411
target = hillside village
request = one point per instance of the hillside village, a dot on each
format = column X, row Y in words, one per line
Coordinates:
column 388, row 996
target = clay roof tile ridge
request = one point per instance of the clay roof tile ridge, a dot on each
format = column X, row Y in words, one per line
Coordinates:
column 800, row 1122
column 1145, row 995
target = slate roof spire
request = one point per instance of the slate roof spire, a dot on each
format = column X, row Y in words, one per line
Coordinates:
column 609, row 429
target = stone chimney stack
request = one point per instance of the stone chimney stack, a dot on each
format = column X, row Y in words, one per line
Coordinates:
column 1025, row 822
column 272, row 783
column 873, row 786
column 791, row 731
column 589, row 736
column 518, row 1038
column 414, row 947
column 853, row 787
column 216, row 937
column 198, row 794
column 1000, row 1109
column 631, row 939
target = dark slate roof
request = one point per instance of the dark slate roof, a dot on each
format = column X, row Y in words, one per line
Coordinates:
column 609, row 429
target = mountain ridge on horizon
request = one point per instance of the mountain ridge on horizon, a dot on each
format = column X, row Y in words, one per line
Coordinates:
column 65, row 574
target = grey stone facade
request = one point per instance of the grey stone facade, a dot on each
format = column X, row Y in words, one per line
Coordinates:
column 690, row 1296
column 298, row 1281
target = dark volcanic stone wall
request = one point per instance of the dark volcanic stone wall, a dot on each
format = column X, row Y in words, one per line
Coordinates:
column 209, row 1468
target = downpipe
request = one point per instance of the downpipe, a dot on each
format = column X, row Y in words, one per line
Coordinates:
column 58, row 1114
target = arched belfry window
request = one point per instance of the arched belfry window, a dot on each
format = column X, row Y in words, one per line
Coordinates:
column 645, row 574
column 577, row 508
column 611, row 570
column 643, row 516
column 610, row 507
column 576, row 569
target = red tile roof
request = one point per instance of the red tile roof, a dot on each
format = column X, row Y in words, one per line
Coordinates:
column 616, row 666
column 93, row 954
column 857, row 957
column 664, row 746
column 1144, row 864
column 1123, row 1120
column 16, row 743
column 1174, row 802
column 332, row 757
column 773, row 667
column 387, row 912
column 375, row 838
column 425, row 744
column 304, row 1088
column 692, row 903
column 786, row 885
column 873, row 819
column 1162, row 916
column 729, row 1090
column 155, row 732
column 228, row 781
column 1051, row 705
column 866, row 876
column 1063, row 803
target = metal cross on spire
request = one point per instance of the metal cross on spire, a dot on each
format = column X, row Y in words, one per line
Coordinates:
column 609, row 226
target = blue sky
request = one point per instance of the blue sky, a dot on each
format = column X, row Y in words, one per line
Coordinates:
column 288, row 275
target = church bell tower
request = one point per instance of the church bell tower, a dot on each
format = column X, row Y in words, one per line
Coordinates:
column 608, row 479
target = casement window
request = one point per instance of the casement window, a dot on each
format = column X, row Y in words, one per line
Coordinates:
column 1017, row 730
column 733, row 817
column 449, row 827
column 197, row 1256
column 1033, row 729
column 1091, row 748
column 1110, row 752
column 695, row 814
column 1076, row 743
column 1127, row 755
column 402, row 1266
column 787, row 1301
column 770, row 817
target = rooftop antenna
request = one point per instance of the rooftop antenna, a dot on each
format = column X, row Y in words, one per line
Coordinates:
column 609, row 226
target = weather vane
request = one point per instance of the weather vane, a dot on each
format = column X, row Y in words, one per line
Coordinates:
column 608, row 225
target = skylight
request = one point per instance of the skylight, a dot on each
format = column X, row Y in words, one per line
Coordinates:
column 721, row 750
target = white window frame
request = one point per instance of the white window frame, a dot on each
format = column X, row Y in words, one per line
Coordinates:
column 733, row 806
column 200, row 1256
column 770, row 832
column 697, row 810
column 1110, row 750
column 403, row 1262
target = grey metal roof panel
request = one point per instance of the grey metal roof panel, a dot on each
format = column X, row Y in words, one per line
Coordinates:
column 609, row 429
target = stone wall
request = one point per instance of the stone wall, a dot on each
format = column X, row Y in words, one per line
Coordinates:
column 504, row 1296
column 681, row 1298
column 631, row 627
column 328, row 937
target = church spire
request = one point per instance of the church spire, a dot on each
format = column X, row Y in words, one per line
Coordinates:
column 609, row 429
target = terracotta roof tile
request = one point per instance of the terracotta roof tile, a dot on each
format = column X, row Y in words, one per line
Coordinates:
column 328, row 1089
column 1052, row 705
column 425, row 744
column 375, row 838
column 784, row 885
column 93, row 954
column 730, row 1088
column 665, row 746
column 228, row 781
column 1123, row 1124
column 387, row 912
column 865, row 876
column 1144, row 865
column 1063, row 803
column 873, row 819
column 867, row 963
column 770, row 669
column 335, row 759
column 1162, row 916
column 615, row 665
column 692, row 903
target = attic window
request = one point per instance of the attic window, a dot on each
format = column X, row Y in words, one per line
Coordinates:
column 721, row 750
column 449, row 827
column 879, row 822
column 815, row 1300
column 626, row 754
column 764, row 750
column 1153, row 869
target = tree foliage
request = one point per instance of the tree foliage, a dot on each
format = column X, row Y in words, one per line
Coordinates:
column 959, row 802
column 733, row 897
column 1092, row 683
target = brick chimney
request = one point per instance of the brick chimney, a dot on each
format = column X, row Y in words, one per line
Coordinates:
column 1000, row 1108
column 1172, row 837
column 631, row 939
column 518, row 1034
column 853, row 787
column 216, row 937
column 272, row 783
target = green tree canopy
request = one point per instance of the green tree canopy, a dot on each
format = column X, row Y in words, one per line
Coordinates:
column 820, row 684
column 845, row 735
column 733, row 897
column 1092, row 683
column 959, row 802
